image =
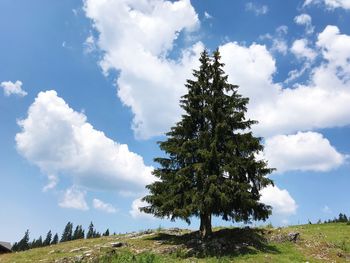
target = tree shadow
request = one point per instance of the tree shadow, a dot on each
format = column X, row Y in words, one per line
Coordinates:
column 224, row 242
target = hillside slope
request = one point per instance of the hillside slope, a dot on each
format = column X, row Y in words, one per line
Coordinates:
column 304, row 243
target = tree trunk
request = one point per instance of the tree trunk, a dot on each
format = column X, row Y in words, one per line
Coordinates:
column 205, row 225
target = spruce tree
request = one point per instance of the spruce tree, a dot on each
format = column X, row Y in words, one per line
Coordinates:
column 211, row 166
column 91, row 231
column 67, row 232
column 78, row 233
column 48, row 238
column 23, row 244
column 106, row 234
column 55, row 239
column 38, row 242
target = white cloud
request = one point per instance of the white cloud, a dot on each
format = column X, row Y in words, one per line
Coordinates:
column 282, row 30
column 296, row 73
column 135, row 211
column 302, row 19
column 60, row 141
column 280, row 46
column 89, row 44
column 53, row 180
column 252, row 68
column 207, row 15
column 11, row 88
column 136, row 38
column 321, row 103
column 105, row 207
column 280, row 200
column 306, row 20
column 74, row 198
column 301, row 50
column 257, row 9
column 330, row 4
column 335, row 49
column 279, row 43
column 304, row 151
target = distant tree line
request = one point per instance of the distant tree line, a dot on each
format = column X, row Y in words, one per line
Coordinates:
column 342, row 218
column 67, row 235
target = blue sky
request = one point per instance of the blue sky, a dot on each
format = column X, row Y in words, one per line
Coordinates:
column 89, row 87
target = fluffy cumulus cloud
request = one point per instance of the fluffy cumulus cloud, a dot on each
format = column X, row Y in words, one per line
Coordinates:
column 280, row 200
column 60, row 141
column 336, row 50
column 280, row 110
column 135, row 209
column 13, row 88
column 301, row 50
column 305, row 20
column 305, row 151
column 102, row 206
column 74, row 198
column 136, row 38
column 251, row 68
column 330, row 4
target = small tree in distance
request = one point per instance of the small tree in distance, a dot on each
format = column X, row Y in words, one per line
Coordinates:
column 48, row 238
column 91, row 231
column 67, row 232
column 23, row 244
column 54, row 239
column 106, row 234
column 211, row 166
column 78, row 233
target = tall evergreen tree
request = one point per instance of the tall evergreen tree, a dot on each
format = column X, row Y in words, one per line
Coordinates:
column 23, row 244
column 211, row 166
column 342, row 218
column 67, row 232
column 54, row 239
column 48, row 238
column 91, row 231
column 78, row 232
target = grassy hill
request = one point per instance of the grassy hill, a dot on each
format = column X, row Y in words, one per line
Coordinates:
column 304, row 243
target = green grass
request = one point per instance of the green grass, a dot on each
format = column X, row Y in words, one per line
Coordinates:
column 318, row 243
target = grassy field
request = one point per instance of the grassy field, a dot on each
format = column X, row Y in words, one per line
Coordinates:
column 315, row 243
